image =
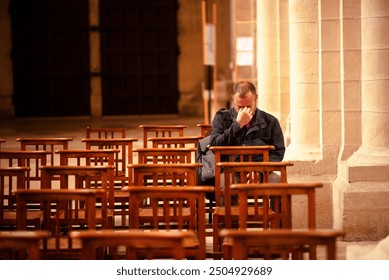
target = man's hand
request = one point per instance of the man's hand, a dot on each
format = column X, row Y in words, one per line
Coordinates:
column 244, row 116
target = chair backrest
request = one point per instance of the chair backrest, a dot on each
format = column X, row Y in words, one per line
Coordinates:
column 248, row 172
column 165, row 155
column 105, row 132
column 1, row 141
column 161, row 131
column 11, row 178
column 122, row 159
column 92, row 158
column 31, row 159
column 63, row 211
column 237, row 154
column 136, row 243
column 45, row 144
column 175, row 142
column 83, row 177
column 171, row 208
column 258, row 196
column 17, row 245
column 173, row 174
column 282, row 243
column 205, row 129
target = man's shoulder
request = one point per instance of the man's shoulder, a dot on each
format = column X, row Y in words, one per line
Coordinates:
column 267, row 116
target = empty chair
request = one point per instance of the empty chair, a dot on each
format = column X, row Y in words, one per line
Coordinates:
column 161, row 131
column 85, row 177
column 105, row 132
column 205, row 129
column 169, row 174
column 165, row 155
column 175, row 142
column 169, row 208
column 31, row 159
column 131, row 244
column 282, row 243
column 254, row 209
column 105, row 157
column 45, row 144
column 63, row 211
column 122, row 159
column 248, row 172
column 16, row 245
column 12, row 178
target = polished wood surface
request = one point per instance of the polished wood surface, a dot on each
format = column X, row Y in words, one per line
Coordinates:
column 137, row 243
column 161, row 131
column 171, row 208
column 64, row 210
column 282, row 243
column 21, row 244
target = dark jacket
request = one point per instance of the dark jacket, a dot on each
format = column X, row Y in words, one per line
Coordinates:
column 265, row 129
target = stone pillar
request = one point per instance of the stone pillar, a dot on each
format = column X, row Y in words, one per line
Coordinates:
column 273, row 60
column 361, row 190
column 330, row 85
column 268, row 51
column 6, row 82
column 304, row 81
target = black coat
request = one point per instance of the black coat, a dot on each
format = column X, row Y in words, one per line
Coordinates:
column 264, row 130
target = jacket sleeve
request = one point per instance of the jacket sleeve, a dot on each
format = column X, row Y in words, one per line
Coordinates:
column 278, row 142
column 223, row 132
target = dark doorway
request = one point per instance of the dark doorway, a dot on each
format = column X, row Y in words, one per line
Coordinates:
column 139, row 56
column 50, row 52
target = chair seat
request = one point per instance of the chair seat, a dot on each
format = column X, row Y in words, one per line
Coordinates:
column 81, row 216
column 33, row 218
column 220, row 211
column 147, row 213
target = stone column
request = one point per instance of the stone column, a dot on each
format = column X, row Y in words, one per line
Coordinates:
column 273, row 60
column 361, row 189
column 268, row 51
column 304, row 81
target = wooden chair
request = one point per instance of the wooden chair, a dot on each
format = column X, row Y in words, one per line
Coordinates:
column 175, row 142
column 165, row 155
column 62, row 211
column 236, row 154
column 171, row 208
column 252, row 172
column 108, row 244
column 1, row 141
column 161, row 131
column 254, row 209
column 205, row 129
column 16, row 245
column 31, row 159
column 173, row 174
column 85, row 177
column 12, row 178
column 123, row 158
column 95, row 158
column 105, row 132
column 282, row 243
column 45, row 144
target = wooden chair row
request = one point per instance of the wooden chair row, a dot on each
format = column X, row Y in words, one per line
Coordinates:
column 139, row 244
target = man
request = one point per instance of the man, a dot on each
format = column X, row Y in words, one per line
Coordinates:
column 248, row 126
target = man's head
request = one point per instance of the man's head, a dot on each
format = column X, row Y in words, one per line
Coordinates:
column 245, row 96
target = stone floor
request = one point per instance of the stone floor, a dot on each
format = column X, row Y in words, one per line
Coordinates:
column 74, row 127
